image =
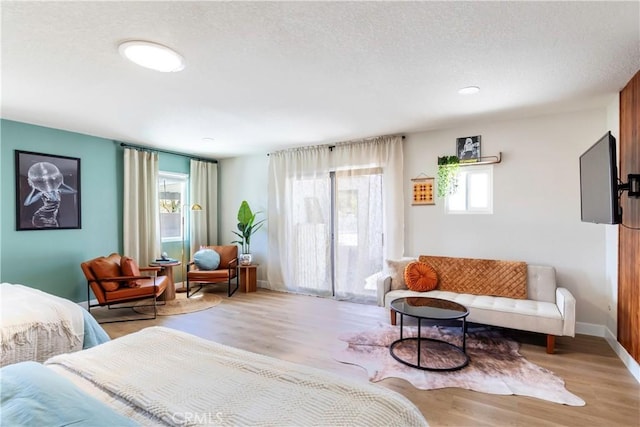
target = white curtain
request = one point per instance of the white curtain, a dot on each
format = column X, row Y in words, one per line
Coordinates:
column 352, row 191
column 203, row 191
column 141, row 216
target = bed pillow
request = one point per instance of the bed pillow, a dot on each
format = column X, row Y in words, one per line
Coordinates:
column 395, row 269
column 130, row 268
column 103, row 268
column 420, row 277
column 206, row 259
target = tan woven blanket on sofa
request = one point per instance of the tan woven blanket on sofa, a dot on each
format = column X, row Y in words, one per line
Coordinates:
column 480, row 276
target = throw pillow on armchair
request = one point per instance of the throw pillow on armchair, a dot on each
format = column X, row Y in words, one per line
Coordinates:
column 130, row 268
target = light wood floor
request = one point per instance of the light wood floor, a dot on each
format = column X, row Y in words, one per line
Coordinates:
column 303, row 329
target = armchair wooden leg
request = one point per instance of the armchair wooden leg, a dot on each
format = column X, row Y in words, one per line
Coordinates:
column 551, row 343
column 393, row 316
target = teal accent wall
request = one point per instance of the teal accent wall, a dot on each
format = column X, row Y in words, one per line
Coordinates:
column 50, row 259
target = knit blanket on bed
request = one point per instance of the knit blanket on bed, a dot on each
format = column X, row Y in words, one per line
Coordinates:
column 181, row 379
column 37, row 325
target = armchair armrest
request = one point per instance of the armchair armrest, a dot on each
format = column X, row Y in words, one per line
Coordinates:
column 566, row 303
column 232, row 266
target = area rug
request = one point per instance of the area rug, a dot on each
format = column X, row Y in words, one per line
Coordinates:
column 495, row 365
column 182, row 304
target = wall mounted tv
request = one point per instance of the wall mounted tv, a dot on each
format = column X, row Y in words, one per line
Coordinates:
column 599, row 183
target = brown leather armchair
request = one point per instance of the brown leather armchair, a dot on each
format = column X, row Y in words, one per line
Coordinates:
column 110, row 286
column 226, row 271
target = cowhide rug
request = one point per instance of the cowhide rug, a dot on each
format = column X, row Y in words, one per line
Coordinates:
column 495, row 364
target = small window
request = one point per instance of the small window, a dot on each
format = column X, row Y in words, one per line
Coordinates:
column 474, row 192
column 172, row 197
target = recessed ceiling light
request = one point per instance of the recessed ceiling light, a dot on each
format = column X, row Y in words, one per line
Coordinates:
column 207, row 139
column 152, row 55
column 469, row 90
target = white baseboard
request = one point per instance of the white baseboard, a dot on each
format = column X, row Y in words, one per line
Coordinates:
column 604, row 332
column 590, row 329
column 622, row 353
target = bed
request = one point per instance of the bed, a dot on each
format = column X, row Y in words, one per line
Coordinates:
column 36, row 325
column 160, row 376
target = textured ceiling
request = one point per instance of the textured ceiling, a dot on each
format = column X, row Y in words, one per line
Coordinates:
column 262, row 76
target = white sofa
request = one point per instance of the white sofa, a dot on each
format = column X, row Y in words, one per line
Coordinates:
column 548, row 309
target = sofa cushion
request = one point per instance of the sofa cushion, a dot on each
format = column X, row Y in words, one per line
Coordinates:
column 104, row 268
column 420, row 276
column 480, row 276
column 541, row 283
column 130, row 267
column 395, row 269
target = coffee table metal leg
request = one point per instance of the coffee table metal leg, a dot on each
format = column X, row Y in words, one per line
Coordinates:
column 401, row 324
column 419, row 340
column 464, row 335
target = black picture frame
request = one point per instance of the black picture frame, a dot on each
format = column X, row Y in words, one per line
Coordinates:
column 47, row 191
column 468, row 149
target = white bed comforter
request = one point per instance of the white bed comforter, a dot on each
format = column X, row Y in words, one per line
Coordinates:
column 36, row 325
column 175, row 378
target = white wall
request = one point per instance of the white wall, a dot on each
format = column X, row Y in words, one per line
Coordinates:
column 536, row 203
column 611, row 236
column 244, row 178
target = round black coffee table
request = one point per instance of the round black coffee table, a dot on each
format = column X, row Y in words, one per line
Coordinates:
column 441, row 355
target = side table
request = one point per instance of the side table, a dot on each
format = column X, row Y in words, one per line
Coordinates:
column 167, row 270
column 248, row 277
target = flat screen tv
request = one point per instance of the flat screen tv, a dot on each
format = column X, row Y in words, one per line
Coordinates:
column 599, row 182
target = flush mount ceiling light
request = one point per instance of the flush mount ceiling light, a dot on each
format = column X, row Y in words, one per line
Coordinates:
column 152, row 55
column 469, row 90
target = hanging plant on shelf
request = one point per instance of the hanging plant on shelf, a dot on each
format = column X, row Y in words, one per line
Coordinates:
column 447, row 175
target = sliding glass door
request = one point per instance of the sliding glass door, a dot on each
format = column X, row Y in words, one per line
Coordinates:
column 358, row 232
column 339, row 233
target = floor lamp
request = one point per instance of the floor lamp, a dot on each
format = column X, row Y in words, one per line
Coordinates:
column 194, row 207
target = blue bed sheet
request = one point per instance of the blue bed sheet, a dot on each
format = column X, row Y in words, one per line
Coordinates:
column 93, row 332
column 33, row 395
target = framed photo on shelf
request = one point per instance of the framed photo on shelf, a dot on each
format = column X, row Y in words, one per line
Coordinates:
column 47, row 191
column 468, row 149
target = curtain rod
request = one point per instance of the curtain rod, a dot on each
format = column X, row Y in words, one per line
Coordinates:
column 332, row 146
column 175, row 153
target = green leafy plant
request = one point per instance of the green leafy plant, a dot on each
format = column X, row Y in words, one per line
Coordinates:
column 447, row 175
column 247, row 226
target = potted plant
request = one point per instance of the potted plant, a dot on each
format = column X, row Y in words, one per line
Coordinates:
column 447, row 175
column 247, row 226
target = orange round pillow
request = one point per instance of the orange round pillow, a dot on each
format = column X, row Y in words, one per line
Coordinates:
column 420, row 277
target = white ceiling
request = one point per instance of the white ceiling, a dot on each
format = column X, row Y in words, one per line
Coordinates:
column 262, row 76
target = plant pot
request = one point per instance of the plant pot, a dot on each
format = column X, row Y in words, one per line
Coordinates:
column 245, row 259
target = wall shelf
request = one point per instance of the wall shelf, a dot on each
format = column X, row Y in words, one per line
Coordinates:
column 488, row 160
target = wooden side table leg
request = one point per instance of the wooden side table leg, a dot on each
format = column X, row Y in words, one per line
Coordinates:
column 170, row 291
column 248, row 278
column 252, row 279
